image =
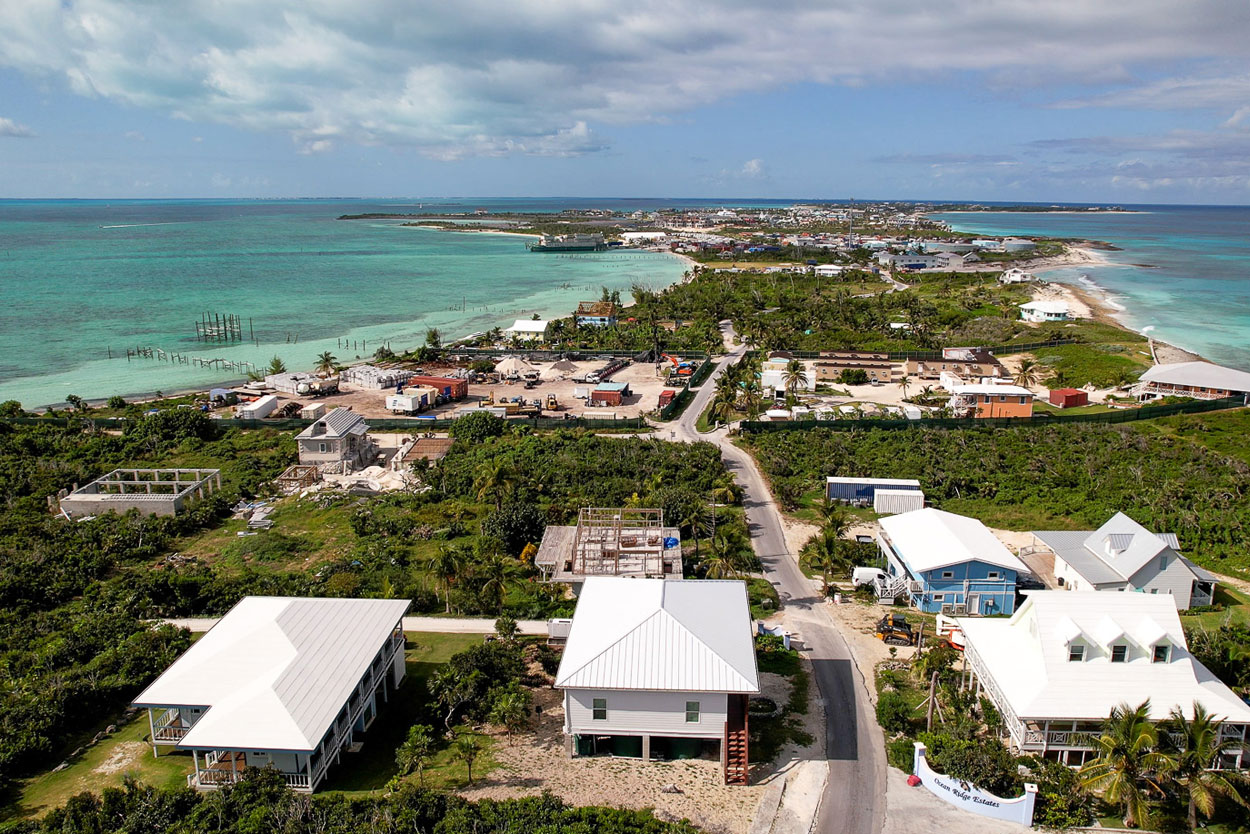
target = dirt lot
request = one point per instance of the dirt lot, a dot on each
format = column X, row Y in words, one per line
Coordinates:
column 644, row 383
column 535, row 761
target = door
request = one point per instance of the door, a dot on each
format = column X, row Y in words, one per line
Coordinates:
column 974, row 603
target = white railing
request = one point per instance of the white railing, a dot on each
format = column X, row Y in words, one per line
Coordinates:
column 163, row 728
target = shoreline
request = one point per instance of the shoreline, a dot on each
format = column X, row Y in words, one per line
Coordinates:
column 233, row 382
column 1092, row 301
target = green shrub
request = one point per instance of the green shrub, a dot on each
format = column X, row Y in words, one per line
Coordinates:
column 893, row 712
column 476, row 427
column 1061, row 801
column 901, row 753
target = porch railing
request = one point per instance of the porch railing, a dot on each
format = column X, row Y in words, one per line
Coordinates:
column 169, row 726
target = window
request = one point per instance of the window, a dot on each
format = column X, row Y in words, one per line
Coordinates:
column 321, row 447
column 692, row 712
column 993, row 575
column 1163, row 561
column 1162, row 651
column 1154, row 590
column 1076, row 653
column 1119, row 654
column 599, row 709
column 939, row 597
column 948, row 574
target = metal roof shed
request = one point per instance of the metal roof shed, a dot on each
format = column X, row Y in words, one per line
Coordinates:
column 894, row 501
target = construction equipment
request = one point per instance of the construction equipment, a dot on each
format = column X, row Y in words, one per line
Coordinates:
column 949, row 632
column 552, row 403
column 679, row 367
column 894, row 630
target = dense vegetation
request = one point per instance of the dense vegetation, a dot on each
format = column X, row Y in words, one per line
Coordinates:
column 72, row 645
column 74, row 596
column 1052, row 477
column 262, row 804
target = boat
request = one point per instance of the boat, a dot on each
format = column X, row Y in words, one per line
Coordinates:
column 569, row 243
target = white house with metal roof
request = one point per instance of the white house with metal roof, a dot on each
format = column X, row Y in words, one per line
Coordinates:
column 339, row 438
column 1057, row 668
column 279, row 681
column 946, row 563
column 1122, row 555
column 1200, row 380
column 660, row 669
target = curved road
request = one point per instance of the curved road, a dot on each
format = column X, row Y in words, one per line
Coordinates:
column 854, row 795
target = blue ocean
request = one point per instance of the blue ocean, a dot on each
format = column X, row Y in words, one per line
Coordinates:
column 81, row 282
column 1182, row 274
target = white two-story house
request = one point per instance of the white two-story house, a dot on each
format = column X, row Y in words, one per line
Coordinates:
column 1064, row 661
column 279, row 682
column 657, row 668
column 1122, row 555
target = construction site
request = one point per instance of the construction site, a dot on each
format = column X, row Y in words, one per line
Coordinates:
column 626, row 541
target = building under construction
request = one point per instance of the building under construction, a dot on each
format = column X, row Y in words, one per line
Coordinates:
column 611, row 542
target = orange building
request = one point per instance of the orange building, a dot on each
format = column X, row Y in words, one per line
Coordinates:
column 992, row 401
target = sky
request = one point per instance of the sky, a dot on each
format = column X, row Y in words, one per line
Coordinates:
column 1097, row 101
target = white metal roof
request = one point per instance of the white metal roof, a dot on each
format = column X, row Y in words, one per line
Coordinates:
column 928, row 539
column 1046, row 306
column 528, row 326
column 892, row 501
column 1028, row 657
column 1200, row 374
column 340, row 422
column 665, row 635
column 877, row 482
column 1013, row 390
column 275, row 671
column 1115, row 552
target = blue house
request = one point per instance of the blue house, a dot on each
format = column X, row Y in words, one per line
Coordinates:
column 944, row 563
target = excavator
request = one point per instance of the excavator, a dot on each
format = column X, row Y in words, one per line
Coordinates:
column 680, row 368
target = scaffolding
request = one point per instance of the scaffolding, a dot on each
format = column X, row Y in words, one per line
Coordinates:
column 618, row 542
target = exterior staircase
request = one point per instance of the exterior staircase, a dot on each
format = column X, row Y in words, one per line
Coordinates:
column 890, row 588
column 736, row 757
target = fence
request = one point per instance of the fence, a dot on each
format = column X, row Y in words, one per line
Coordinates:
column 674, row 409
column 380, row 424
column 702, row 373
column 1123, row 416
column 923, row 355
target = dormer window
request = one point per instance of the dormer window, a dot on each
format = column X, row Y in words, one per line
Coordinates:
column 1162, row 652
column 1119, row 653
column 1076, row 653
column 1163, row 562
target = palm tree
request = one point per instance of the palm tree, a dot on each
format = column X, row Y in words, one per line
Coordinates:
column 1195, row 745
column 495, row 479
column 494, row 571
column 510, row 711
column 466, row 749
column 416, row 751
column 795, row 376
column 823, row 554
column 433, row 338
column 723, row 558
column 446, row 565
column 752, row 395
column 1128, row 761
column 325, row 363
column 1028, row 373
column 904, row 383
column 721, row 409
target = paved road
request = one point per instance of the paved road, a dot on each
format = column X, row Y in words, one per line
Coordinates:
column 854, row 796
column 443, row 625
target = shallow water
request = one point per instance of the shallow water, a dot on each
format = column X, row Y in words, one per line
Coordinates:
column 81, row 279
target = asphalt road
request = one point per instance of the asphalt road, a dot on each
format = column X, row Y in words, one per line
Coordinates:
column 854, row 796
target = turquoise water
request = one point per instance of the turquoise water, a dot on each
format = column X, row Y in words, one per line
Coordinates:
column 1183, row 275
column 80, row 279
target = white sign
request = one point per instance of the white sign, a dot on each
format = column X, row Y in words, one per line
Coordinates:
column 970, row 798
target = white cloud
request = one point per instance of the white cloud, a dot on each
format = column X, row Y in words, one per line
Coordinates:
column 8, row 127
column 481, row 77
column 753, row 169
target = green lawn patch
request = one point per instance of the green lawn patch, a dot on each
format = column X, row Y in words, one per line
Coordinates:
column 125, row 753
column 374, row 766
column 1231, row 607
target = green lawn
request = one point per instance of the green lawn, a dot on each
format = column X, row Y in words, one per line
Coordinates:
column 1232, row 606
column 125, row 753
column 371, row 768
